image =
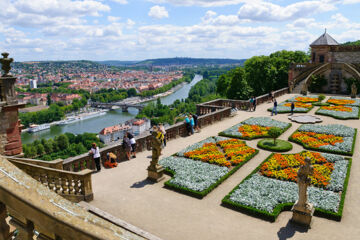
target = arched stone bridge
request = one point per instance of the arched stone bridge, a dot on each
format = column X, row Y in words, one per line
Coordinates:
column 124, row 106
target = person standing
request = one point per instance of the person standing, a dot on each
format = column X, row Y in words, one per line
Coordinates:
column 162, row 129
column 292, row 108
column 274, row 107
column 251, row 101
column 94, row 151
column 126, row 146
column 196, row 126
column 254, row 103
column 133, row 144
column 188, row 125
column 192, row 124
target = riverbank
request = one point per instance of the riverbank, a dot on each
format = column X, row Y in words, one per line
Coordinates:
column 95, row 125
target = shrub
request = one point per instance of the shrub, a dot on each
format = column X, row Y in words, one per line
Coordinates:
column 274, row 133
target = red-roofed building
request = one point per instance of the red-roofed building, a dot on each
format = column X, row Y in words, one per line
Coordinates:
column 113, row 133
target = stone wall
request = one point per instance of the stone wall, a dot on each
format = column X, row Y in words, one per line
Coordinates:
column 348, row 57
column 10, row 131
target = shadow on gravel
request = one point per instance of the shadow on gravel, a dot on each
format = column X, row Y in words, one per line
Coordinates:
column 142, row 183
column 289, row 230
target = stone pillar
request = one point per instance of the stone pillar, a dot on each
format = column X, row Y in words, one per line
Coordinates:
column 302, row 209
column 10, row 127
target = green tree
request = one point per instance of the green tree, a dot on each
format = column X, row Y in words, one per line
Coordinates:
column 62, row 142
column 40, row 150
column 274, row 132
column 48, row 99
column 131, row 92
column 48, row 146
column 239, row 88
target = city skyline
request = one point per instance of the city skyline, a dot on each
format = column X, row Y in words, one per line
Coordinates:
column 41, row 30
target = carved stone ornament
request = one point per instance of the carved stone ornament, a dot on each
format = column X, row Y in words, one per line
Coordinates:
column 5, row 64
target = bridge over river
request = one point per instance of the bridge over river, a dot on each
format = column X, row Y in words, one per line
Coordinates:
column 124, row 106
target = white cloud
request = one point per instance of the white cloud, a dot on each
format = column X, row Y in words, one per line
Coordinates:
column 113, row 19
column 120, row 1
column 265, row 11
column 158, row 12
column 202, row 3
column 351, row 1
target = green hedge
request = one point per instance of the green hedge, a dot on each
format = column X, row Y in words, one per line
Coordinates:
column 325, row 150
column 320, row 104
column 226, row 202
column 256, row 137
column 203, row 193
column 281, row 145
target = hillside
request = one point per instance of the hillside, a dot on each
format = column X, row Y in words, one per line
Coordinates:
column 355, row 43
column 191, row 61
column 117, row 63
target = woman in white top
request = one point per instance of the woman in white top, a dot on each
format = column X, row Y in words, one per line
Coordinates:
column 133, row 144
column 96, row 155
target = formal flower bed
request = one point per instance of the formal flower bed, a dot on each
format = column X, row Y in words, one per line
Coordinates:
column 254, row 128
column 344, row 101
column 333, row 138
column 339, row 111
column 304, row 99
column 199, row 168
column 264, row 193
column 300, row 107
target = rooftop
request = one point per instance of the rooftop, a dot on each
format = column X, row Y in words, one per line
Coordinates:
column 125, row 193
column 324, row 40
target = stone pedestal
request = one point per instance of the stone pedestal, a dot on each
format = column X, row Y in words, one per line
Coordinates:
column 155, row 173
column 302, row 215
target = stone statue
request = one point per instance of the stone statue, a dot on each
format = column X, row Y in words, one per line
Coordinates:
column 155, row 171
column 5, row 62
column 304, row 181
column 302, row 209
column 353, row 90
column 156, row 148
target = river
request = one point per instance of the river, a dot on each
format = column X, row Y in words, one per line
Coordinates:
column 95, row 125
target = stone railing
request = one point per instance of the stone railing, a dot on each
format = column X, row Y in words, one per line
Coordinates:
column 143, row 142
column 73, row 186
column 208, row 112
column 38, row 213
column 56, row 164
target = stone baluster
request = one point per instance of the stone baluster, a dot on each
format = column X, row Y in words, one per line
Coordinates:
column 4, row 227
column 64, row 185
column 71, row 185
column 77, row 187
column 58, row 185
column 25, row 228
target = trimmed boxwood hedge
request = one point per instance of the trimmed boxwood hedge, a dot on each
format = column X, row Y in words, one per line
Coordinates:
column 249, row 138
column 319, row 104
column 284, row 147
column 203, row 193
column 325, row 150
column 226, row 202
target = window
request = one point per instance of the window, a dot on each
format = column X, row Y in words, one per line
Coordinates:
column 321, row 58
column 313, row 57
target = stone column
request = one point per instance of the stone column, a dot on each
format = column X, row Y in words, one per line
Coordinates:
column 10, row 127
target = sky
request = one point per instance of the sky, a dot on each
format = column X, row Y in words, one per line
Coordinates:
column 34, row 30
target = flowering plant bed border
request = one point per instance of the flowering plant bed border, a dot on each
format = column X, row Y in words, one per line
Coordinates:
column 284, row 109
column 325, row 150
column 224, row 134
column 330, row 114
column 203, row 193
column 252, row 211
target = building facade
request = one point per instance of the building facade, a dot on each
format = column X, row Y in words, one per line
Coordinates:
column 335, row 62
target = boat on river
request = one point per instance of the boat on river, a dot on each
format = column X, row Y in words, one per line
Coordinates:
column 36, row 128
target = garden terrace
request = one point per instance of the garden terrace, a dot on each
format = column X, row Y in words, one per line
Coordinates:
column 127, row 195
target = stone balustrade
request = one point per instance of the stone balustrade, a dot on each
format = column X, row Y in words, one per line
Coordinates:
column 74, row 186
column 56, row 164
column 38, row 213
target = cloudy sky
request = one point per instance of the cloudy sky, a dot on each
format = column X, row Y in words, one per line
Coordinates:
column 143, row 29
